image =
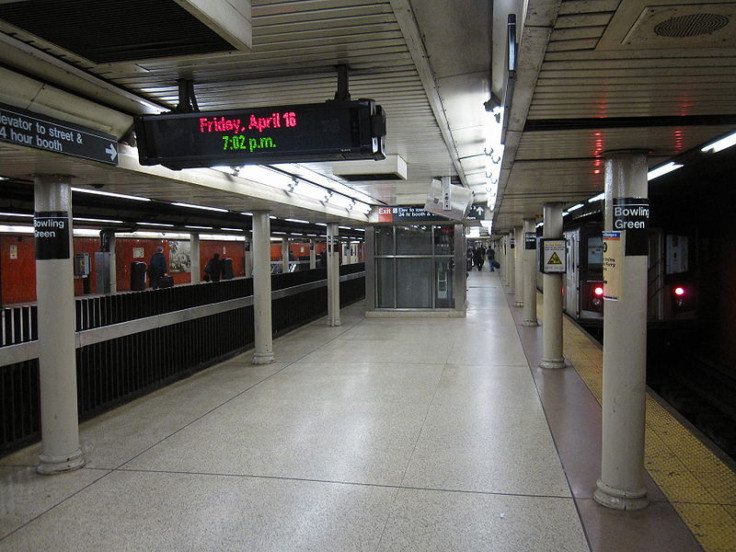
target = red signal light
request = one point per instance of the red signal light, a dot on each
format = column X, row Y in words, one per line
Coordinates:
column 679, row 291
column 598, row 291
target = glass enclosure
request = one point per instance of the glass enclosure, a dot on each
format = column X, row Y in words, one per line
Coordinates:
column 415, row 267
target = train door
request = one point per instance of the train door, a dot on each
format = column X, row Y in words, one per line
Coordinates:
column 570, row 301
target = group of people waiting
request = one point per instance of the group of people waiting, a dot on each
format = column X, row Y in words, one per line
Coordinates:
column 476, row 257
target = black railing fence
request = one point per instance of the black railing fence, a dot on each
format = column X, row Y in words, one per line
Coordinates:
column 133, row 343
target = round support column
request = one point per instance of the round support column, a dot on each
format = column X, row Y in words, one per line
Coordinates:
column 262, row 288
column 530, row 273
column 333, row 276
column 195, row 268
column 284, row 255
column 60, row 449
column 511, row 261
column 312, row 254
column 621, row 485
column 248, row 254
column 552, row 286
column 519, row 267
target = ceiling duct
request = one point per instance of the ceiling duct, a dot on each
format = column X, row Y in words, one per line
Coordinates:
column 111, row 31
column 391, row 168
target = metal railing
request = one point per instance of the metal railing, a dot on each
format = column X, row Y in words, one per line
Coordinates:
column 133, row 343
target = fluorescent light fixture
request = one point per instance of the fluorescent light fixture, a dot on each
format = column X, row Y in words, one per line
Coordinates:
column 9, row 229
column 600, row 197
column 198, row 227
column 202, row 207
column 232, row 229
column 312, row 177
column 341, row 201
column 345, row 227
column 718, row 145
column 24, row 215
column 574, row 207
column 297, row 220
column 664, row 169
column 264, row 175
column 247, row 213
column 161, row 224
column 321, row 223
column 106, row 221
column 109, row 194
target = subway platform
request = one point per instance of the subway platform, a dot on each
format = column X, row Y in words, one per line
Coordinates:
column 383, row 434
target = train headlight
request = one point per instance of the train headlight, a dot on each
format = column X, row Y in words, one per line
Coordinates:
column 597, row 296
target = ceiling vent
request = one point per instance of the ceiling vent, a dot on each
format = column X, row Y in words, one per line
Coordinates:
column 665, row 24
column 110, row 31
column 691, row 25
column 391, row 168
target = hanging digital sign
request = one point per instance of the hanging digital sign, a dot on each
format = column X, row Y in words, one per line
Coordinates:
column 330, row 131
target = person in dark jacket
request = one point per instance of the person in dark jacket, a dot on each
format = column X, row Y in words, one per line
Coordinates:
column 157, row 267
column 478, row 258
column 213, row 268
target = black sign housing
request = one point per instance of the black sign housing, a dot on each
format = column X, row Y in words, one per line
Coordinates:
column 330, row 131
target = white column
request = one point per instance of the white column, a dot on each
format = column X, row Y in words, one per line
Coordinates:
column 284, row 255
column 519, row 267
column 552, row 289
column 333, row 276
column 196, row 270
column 60, row 449
column 510, row 261
column 312, row 253
column 113, row 265
column 262, row 288
column 530, row 273
column 621, row 485
column 248, row 254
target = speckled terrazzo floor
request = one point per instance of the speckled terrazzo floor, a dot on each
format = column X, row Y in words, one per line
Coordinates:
column 378, row 435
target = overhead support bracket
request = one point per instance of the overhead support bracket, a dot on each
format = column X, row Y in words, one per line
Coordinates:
column 343, row 92
column 187, row 101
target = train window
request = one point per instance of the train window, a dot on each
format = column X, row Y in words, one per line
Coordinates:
column 677, row 258
column 595, row 253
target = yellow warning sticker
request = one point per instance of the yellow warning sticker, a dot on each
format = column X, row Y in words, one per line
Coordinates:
column 554, row 259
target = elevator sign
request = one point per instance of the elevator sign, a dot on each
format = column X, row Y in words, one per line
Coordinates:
column 553, row 260
column 25, row 128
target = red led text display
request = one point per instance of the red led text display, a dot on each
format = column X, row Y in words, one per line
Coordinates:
column 312, row 132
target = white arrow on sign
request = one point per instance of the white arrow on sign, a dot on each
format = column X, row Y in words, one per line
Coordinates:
column 111, row 151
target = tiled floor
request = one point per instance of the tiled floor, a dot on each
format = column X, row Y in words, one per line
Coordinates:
column 384, row 434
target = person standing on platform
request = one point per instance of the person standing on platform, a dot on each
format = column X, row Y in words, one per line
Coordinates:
column 213, row 268
column 491, row 259
column 157, row 267
column 478, row 258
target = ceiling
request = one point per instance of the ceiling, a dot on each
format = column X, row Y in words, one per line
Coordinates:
column 592, row 76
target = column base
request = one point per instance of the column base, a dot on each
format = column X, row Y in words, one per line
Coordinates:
column 50, row 465
column 262, row 358
column 619, row 499
column 530, row 323
column 554, row 364
column 334, row 323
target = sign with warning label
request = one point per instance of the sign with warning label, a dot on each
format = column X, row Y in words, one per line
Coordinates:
column 612, row 268
column 553, row 260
